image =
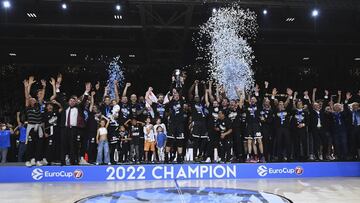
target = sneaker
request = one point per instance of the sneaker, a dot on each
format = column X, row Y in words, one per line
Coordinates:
column 38, row 163
column 44, row 162
column 97, row 163
column 32, row 162
column 285, row 158
column 109, row 163
column 311, row 157
column 262, row 160
column 28, row 164
column 248, row 160
column 67, row 160
column 321, row 157
column 83, row 161
column 208, row 160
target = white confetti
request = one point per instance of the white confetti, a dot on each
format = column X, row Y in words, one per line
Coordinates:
column 115, row 72
column 228, row 51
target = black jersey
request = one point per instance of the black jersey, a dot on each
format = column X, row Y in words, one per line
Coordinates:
column 51, row 120
column 176, row 110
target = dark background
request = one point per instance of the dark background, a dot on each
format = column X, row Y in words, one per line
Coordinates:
column 160, row 32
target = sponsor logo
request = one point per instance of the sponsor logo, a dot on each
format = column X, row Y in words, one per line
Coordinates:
column 78, row 174
column 37, row 174
column 264, row 171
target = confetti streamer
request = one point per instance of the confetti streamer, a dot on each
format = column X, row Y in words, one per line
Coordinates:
column 224, row 40
column 115, row 72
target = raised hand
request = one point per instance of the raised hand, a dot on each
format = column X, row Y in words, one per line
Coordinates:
column 289, row 91
column 339, row 92
column 93, row 93
column 128, row 84
column 274, row 91
column 31, row 80
column 26, row 83
column 52, row 81
column 97, row 86
column 314, row 89
column 326, row 92
column 87, row 87
column 266, row 84
column 43, row 82
column 348, row 95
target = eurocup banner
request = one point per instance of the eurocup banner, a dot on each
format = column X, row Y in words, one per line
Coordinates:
column 177, row 172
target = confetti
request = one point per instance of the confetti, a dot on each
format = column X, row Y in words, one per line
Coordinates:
column 224, row 40
column 115, row 72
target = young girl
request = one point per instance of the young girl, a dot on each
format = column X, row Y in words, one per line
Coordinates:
column 149, row 144
column 125, row 144
column 102, row 141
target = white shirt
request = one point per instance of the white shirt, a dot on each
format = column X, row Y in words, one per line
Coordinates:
column 151, row 135
column 103, row 131
column 73, row 116
column 319, row 121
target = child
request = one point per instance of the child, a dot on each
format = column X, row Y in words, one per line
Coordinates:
column 125, row 144
column 149, row 144
column 5, row 133
column 21, row 131
column 102, row 141
column 160, row 143
column 159, row 123
column 134, row 127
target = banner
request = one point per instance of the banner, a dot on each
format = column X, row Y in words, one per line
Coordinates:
column 177, row 171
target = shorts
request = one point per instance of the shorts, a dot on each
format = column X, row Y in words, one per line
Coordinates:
column 253, row 132
column 172, row 142
column 149, row 146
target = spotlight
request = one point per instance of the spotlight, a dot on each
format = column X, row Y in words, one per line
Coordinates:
column 118, row 7
column 214, row 10
column 6, row 4
column 73, row 54
column 306, row 58
column 315, row 13
column 357, row 59
column 265, row 12
column 118, row 17
column 64, row 6
column 12, row 54
column 31, row 15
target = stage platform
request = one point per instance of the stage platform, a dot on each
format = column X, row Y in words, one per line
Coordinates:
column 178, row 172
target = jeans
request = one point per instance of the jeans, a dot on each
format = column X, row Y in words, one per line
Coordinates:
column 3, row 154
column 21, row 153
column 103, row 148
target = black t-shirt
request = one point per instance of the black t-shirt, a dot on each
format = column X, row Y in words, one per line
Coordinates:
column 135, row 133
column 160, row 110
column 176, row 111
column 198, row 112
column 224, row 125
column 213, row 115
column 51, row 120
column 125, row 112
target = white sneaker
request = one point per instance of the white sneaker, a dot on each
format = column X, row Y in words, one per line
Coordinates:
column 321, row 157
column 44, row 162
column 67, row 160
column 83, row 161
column 32, row 162
column 97, row 163
column 28, row 164
column 208, row 160
column 109, row 163
column 38, row 163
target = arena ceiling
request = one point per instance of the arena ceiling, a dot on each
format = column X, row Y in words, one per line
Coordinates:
column 148, row 33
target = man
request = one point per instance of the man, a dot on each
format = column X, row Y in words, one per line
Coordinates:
column 72, row 118
column 224, row 130
column 354, row 127
column 34, row 129
column 175, row 138
column 299, row 123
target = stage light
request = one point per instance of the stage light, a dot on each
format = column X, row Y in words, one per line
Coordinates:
column 315, row 13
column 118, row 17
column 132, row 56
column 6, row 4
column 290, row 19
column 73, row 54
column 118, row 7
column 12, row 54
column 357, row 59
column 64, row 6
column 265, row 12
column 214, row 10
column 306, row 58
column 31, row 15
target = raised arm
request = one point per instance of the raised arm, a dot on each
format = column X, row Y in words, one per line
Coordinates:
column 92, row 101
column 58, row 104
column 191, row 89
column 26, row 92
column 42, row 95
column 126, row 89
column 116, row 90
column 210, row 93
column 339, row 97
column 107, row 121
column 207, row 103
column 53, row 85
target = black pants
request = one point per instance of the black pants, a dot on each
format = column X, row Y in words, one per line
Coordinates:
column 69, row 144
column 354, row 140
column 34, row 147
column 112, row 147
column 213, row 143
column 199, row 144
column 57, row 143
column 84, row 142
column 49, row 148
column 266, row 133
column 238, row 144
column 225, row 149
column 124, row 152
column 300, row 143
column 282, row 135
column 322, row 139
column 92, row 151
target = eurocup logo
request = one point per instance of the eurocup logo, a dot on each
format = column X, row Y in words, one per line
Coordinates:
column 262, row 170
column 299, row 170
column 37, row 174
column 78, row 174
